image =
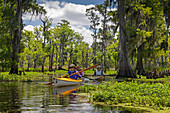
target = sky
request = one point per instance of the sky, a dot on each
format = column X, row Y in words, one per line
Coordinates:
column 72, row 10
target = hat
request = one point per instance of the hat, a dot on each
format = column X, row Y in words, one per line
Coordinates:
column 72, row 65
column 99, row 66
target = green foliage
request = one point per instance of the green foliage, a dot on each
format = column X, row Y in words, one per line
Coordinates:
column 29, row 77
column 12, row 23
column 158, row 80
column 155, row 95
column 33, row 69
column 90, row 72
column 146, row 24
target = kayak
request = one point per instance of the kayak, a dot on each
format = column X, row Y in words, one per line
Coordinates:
column 68, row 81
column 60, row 82
column 109, row 75
column 100, row 78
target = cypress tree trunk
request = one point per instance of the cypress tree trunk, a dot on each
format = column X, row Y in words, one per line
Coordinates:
column 103, row 40
column 43, row 61
column 15, row 59
column 56, row 58
column 59, row 60
column 94, row 50
column 71, row 54
column 125, row 69
column 36, row 61
column 139, row 65
column 28, row 66
column 83, row 59
column 51, row 57
column 43, row 58
column 145, row 64
column 86, row 59
column 16, row 39
column 62, row 56
column 132, row 60
column 51, row 65
column 167, row 41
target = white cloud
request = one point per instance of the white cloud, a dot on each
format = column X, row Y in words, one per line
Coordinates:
column 29, row 28
column 85, row 32
column 74, row 13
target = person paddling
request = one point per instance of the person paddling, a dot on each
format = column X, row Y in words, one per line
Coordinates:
column 72, row 70
column 98, row 72
column 78, row 69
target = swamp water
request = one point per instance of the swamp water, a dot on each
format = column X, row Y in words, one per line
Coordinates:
column 34, row 97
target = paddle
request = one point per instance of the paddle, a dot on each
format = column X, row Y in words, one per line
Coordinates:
column 85, row 69
column 76, row 73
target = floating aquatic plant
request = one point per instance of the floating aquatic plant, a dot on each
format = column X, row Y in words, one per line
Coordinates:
column 156, row 95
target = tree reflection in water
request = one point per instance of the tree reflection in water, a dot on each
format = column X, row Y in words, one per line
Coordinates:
column 35, row 97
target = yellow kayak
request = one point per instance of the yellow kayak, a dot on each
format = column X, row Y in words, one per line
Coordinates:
column 99, row 78
column 60, row 82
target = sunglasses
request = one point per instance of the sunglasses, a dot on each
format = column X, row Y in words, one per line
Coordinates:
column 72, row 67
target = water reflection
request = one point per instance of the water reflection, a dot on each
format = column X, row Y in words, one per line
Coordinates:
column 9, row 97
column 35, row 97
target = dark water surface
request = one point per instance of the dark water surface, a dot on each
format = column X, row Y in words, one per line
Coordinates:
column 34, row 97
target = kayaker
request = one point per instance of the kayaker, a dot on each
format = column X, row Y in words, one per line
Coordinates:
column 78, row 69
column 72, row 70
column 98, row 72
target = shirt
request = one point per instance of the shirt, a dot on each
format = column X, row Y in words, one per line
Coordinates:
column 75, row 75
column 81, row 73
column 98, row 73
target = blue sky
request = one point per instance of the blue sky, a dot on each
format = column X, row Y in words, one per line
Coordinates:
column 72, row 10
column 82, row 2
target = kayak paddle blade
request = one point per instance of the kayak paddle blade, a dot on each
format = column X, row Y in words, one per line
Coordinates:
column 49, row 83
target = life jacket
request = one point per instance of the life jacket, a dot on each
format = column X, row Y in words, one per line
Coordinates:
column 81, row 73
column 73, row 76
column 95, row 73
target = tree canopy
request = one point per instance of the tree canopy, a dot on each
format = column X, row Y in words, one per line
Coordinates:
column 130, row 36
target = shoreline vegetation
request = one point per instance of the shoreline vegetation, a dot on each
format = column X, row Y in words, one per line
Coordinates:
column 30, row 76
column 110, row 76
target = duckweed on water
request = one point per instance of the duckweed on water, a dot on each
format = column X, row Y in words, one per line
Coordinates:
column 156, row 96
